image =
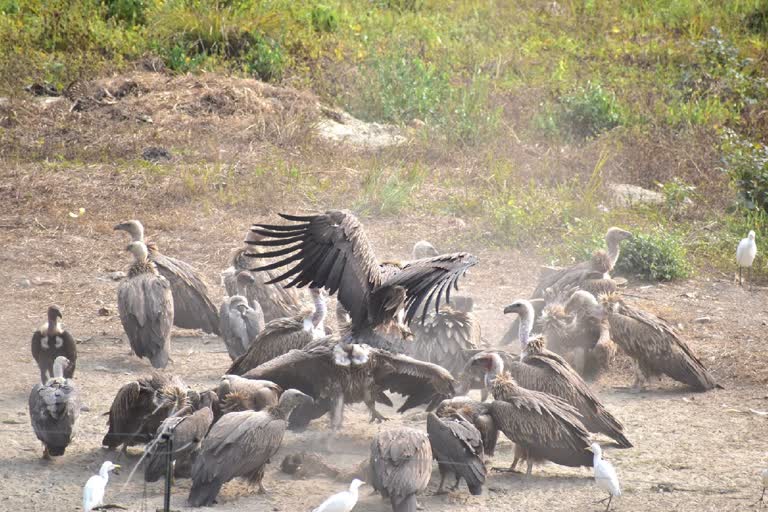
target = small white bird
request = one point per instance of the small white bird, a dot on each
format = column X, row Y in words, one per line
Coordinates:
column 93, row 492
column 344, row 501
column 764, row 477
column 605, row 475
column 745, row 255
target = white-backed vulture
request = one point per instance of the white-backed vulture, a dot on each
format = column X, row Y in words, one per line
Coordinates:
column 53, row 410
column 655, row 346
column 239, row 322
column 145, row 304
column 50, row 341
column 139, row 407
column 401, row 465
column 458, row 448
column 240, row 444
column 335, row 374
column 240, row 394
column 193, row 309
column 332, row 250
column 275, row 301
column 478, row 413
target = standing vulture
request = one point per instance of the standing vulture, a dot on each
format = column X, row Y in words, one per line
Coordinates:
column 51, row 341
column 332, row 250
column 478, row 413
column 401, row 464
column 239, row 322
column 335, row 374
column 240, row 444
column 145, row 303
column 192, row 307
column 458, row 448
column 53, row 410
column 240, row 394
column 282, row 335
column 655, row 346
column 275, row 301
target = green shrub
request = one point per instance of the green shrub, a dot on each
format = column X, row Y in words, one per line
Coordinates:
column 583, row 114
column 389, row 192
column 264, row 59
column 324, row 18
column 658, row 256
column 132, row 12
column 747, row 166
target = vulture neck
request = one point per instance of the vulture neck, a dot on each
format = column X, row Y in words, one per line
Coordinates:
column 526, row 326
column 318, row 317
column 496, row 369
column 613, row 250
column 283, row 409
column 58, row 369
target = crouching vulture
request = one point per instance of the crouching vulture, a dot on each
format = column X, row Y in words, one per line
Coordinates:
column 241, row 444
column 332, row 251
column 401, row 465
column 240, row 394
column 50, row 341
column 478, row 413
column 192, row 307
column 53, row 409
column 335, row 374
column 239, row 322
column 145, row 304
column 458, row 448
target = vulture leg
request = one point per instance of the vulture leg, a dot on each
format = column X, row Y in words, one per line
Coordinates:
column 43, row 377
column 337, row 412
column 458, row 481
column 640, row 381
column 440, row 489
column 370, row 402
column 46, row 455
column 530, row 468
column 484, row 394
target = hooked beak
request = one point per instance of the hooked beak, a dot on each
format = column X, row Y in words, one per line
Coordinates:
column 119, row 226
column 509, row 309
column 589, row 449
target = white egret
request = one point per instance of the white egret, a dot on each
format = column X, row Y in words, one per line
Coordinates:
column 93, row 492
column 605, row 475
column 343, row 501
column 764, row 478
column 745, row 255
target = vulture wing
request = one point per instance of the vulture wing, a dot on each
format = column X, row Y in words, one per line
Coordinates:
column 401, row 464
column 444, row 339
column 310, row 371
column 457, row 445
column 69, row 350
column 419, row 381
column 277, row 338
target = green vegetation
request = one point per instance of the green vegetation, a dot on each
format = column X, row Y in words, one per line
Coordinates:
column 657, row 255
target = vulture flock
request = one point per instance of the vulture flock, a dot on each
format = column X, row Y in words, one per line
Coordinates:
column 402, row 330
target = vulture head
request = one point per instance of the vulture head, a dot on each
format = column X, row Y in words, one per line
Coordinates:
column 490, row 363
column 616, row 235
column 291, row 399
column 133, row 228
column 581, row 302
column 424, row 249
column 522, row 307
column 244, row 278
column 139, row 251
column 53, row 326
column 240, row 303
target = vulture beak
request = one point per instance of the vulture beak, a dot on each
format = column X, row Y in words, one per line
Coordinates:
column 119, row 226
column 589, row 449
column 509, row 309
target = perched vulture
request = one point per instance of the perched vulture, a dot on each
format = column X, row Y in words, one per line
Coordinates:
column 192, row 307
column 275, row 301
column 476, row 412
column 510, row 336
column 332, row 251
column 335, row 374
column 145, row 303
column 240, row 444
column 282, row 335
column 53, row 410
column 51, row 341
column 240, row 394
column 186, row 430
column 458, row 448
column 139, row 408
column 401, row 464
column 239, row 322
column 655, row 346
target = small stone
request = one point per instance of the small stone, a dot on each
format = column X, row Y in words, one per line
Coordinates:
column 703, row 320
column 103, row 312
column 25, row 283
column 145, row 119
column 117, row 276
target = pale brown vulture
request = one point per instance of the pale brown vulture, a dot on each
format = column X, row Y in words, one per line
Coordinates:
column 655, row 346
column 401, row 465
column 241, row 444
column 53, row 409
column 145, row 304
column 240, row 394
column 50, row 341
column 239, row 322
column 478, row 413
column 193, row 309
column 458, row 448
column 332, row 250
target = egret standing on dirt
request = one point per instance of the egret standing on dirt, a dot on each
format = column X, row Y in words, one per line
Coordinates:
column 343, row 501
column 605, row 475
column 93, row 492
column 764, row 478
column 745, row 255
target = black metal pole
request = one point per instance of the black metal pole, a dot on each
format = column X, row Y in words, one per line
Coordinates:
column 168, row 471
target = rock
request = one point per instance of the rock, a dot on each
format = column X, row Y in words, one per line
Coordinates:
column 416, row 124
column 156, row 154
column 626, row 195
column 703, row 320
column 103, row 311
column 25, row 283
column 343, row 128
column 117, row 276
column 145, row 119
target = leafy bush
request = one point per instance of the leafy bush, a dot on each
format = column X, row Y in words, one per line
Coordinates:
column 747, row 165
column 659, row 256
column 583, row 114
column 264, row 59
column 324, row 18
column 132, row 12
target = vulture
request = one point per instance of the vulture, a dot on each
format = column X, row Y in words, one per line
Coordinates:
column 282, row 335
column 139, row 408
column 458, row 448
column 275, row 301
column 93, row 492
column 192, row 307
column 53, row 410
column 145, row 304
column 335, row 374
column 240, row 444
column 544, row 371
column 401, row 464
column 239, row 322
column 476, row 412
column 51, row 341
column 332, row 251
column 240, row 394
column 186, row 430
column 655, row 346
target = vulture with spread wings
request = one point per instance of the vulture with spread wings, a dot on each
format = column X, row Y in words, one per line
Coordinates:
column 332, row 250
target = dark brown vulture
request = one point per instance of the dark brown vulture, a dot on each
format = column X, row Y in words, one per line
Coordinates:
column 332, row 251
column 282, row 335
column 240, row 394
column 50, row 341
column 401, row 465
column 53, row 409
column 655, row 346
column 476, row 412
column 275, row 301
column 335, row 374
column 240, row 444
column 458, row 448
column 192, row 307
